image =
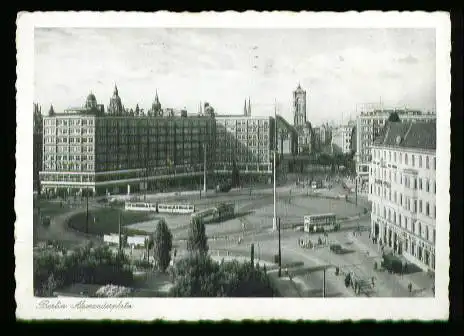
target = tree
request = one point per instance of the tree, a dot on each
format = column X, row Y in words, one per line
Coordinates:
column 162, row 245
column 197, row 241
column 200, row 276
column 88, row 265
column 394, row 117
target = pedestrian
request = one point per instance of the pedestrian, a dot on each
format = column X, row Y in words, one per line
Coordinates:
column 433, row 289
column 410, row 287
column 373, row 281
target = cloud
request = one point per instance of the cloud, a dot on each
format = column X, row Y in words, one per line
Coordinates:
column 338, row 68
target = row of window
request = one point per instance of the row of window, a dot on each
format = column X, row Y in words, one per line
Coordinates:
column 408, row 203
column 408, row 159
column 416, row 227
column 411, row 182
column 67, row 122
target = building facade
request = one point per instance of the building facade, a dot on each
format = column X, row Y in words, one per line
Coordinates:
column 246, row 141
column 402, row 189
column 37, row 145
column 341, row 139
column 300, row 122
column 87, row 150
column 299, row 107
column 368, row 127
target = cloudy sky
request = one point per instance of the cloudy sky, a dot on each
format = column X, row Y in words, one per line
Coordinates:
column 339, row 68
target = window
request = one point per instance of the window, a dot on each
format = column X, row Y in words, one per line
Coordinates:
column 420, row 206
column 427, row 162
column 394, row 157
column 434, row 163
column 420, row 161
column 413, row 160
column 405, row 159
column 415, row 206
column 420, row 184
column 427, row 209
column 427, row 186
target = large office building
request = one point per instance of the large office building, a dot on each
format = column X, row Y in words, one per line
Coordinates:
column 246, row 141
column 341, row 139
column 88, row 150
column 402, row 189
column 37, row 149
column 369, row 124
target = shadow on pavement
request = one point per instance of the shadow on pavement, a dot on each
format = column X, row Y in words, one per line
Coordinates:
column 411, row 269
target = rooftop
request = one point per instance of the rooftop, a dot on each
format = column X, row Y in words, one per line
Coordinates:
column 408, row 135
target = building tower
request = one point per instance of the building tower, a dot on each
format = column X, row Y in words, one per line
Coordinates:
column 91, row 102
column 299, row 107
column 249, row 107
column 115, row 107
column 245, row 109
column 156, row 106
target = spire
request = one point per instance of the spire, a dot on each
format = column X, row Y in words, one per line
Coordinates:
column 156, row 96
column 51, row 111
column 115, row 90
column 249, row 106
column 245, row 110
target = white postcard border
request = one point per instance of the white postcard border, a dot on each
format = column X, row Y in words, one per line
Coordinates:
column 229, row 308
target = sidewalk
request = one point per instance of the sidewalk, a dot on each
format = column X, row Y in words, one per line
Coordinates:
column 421, row 282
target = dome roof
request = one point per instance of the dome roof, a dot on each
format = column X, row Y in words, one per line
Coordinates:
column 91, row 97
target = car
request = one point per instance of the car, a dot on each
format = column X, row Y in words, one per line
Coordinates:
column 336, row 248
column 46, row 221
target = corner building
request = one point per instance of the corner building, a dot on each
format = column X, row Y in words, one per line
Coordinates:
column 402, row 188
column 248, row 142
column 86, row 150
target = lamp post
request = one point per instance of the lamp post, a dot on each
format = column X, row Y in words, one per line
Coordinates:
column 280, row 253
column 204, row 168
column 87, row 211
column 274, row 224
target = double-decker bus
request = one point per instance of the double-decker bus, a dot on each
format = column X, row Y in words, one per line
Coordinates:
column 176, row 208
column 321, row 223
column 140, row 206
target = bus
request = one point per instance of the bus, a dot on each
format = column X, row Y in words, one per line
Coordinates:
column 140, row 206
column 176, row 208
column 321, row 223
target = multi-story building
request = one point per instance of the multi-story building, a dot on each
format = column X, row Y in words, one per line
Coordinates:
column 86, row 149
column 341, row 139
column 37, row 145
column 246, row 141
column 368, row 127
column 402, row 189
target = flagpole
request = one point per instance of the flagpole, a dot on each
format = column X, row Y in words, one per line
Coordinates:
column 274, row 223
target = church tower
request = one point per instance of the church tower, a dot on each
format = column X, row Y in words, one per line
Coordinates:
column 115, row 107
column 156, row 106
column 299, row 107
